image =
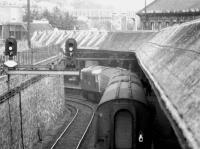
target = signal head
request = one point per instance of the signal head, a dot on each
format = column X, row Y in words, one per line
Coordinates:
column 70, row 47
column 11, row 47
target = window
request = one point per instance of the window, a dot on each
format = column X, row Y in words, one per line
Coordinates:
column 174, row 22
column 11, row 33
column 1, row 32
column 144, row 25
column 152, row 26
column 167, row 24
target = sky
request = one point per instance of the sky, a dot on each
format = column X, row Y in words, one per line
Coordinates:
column 133, row 5
column 125, row 4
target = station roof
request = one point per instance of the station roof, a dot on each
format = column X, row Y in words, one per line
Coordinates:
column 171, row 60
column 96, row 40
column 172, row 6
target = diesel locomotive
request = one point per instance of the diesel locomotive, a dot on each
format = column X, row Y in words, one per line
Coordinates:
column 94, row 80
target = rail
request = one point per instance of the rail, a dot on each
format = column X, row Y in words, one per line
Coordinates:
column 84, row 134
column 72, row 122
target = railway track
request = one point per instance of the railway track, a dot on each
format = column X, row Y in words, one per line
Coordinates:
column 74, row 133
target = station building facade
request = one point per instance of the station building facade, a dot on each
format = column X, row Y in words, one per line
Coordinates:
column 163, row 13
column 111, row 19
column 11, row 23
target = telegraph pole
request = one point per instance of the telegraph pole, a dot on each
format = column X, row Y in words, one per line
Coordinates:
column 28, row 23
column 145, row 6
column 28, row 29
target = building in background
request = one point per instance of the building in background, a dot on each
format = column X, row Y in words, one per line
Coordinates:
column 40, row 25
column 11, row 22
column 162, row 13
column 106, row 19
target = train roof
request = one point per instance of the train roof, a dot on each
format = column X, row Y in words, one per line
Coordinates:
column 86, row 69
column 103, row 70
column 123, row 90
column 125, row 77
column 91, row 68
column 98, row 69
column 110, row 71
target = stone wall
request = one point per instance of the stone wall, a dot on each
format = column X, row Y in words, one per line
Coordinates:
column 41, row 104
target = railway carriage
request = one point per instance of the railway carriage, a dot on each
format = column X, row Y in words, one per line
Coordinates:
column 125, row 76
column 123, row 118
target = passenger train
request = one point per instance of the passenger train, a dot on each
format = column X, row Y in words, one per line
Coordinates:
column 123, row 117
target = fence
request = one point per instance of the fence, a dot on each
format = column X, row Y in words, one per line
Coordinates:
column 32, row 56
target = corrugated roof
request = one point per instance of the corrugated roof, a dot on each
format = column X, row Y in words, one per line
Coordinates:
column 160, row 6
column 115, row 41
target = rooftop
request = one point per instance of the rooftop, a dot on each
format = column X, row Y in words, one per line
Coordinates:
column 168, row 6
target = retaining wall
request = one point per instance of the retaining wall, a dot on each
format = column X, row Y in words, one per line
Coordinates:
column 41, row 104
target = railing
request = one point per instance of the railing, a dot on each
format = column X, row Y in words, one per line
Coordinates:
column 32, row 56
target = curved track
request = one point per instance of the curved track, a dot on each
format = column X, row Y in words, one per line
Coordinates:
column 73, row 134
